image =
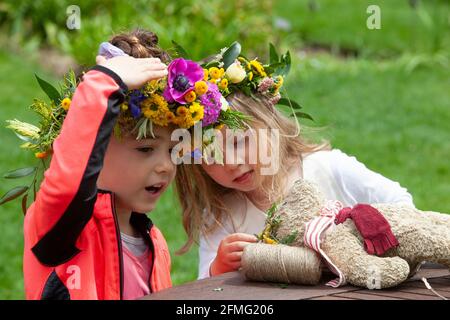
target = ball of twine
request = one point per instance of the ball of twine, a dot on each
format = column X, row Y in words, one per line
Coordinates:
column 281, row 263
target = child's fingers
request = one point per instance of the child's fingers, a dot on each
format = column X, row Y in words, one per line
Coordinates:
column 235, row 256
column 149, row 60
column 242, row 237
column 237, row 246
column 152, row 63
column 158, row 74
column 235, row 265
column 154, row 69
column 155, row 66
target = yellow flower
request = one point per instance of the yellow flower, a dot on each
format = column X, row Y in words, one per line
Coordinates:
column 223, row 84
column 278, row 83
column 268, row 240
column 205, row 74
column 214, row 72
column 196, row 110
column 185, row 121
column 219, row 126
column 155, row 108
column 65, row 104
column 221, row 72
column 257, row 66
column 201, row 87
column 279, row 80
column 250, row 76
column 182, row 111
column 176, row 120
column 242, row 59
column 190, row 96
column 150, row 87
column 245, row 62
column 170, row 116
column 124, row 106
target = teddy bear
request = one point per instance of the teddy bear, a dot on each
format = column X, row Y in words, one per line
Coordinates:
column 412, row 237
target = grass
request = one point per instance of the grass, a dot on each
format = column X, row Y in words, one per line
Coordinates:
column 336, row 24
column 394, row 121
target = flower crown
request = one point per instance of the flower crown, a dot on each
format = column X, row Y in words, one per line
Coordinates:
column 191, row 93
column 233, row 72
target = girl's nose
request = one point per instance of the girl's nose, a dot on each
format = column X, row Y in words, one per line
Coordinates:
column 165, row 165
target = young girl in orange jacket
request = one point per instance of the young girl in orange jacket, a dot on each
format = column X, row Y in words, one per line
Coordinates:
column 86, row 234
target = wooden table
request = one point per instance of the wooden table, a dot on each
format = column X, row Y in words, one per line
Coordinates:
column 233, row 286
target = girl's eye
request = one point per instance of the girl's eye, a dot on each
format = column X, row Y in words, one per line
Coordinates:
column 144, row 149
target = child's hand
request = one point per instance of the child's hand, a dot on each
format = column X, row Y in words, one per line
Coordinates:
column 134, row 72
column 230, row 252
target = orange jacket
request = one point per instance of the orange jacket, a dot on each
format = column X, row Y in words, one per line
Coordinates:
column 72, row 240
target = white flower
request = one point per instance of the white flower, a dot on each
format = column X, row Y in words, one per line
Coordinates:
column 235, row 72
column 225, row 105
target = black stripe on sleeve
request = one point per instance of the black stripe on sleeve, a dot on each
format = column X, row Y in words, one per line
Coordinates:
column 57, row 246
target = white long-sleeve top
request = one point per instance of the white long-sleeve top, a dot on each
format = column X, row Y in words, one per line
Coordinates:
column 339, row 177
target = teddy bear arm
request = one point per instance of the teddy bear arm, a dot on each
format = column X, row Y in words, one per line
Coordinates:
column 359, row 268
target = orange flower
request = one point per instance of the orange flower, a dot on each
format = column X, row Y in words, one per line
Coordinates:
column 181, row 111
column 190, row 96
column 170, row 116
column 41, row 155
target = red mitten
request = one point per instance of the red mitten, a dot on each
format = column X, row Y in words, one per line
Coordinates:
column 373, row 227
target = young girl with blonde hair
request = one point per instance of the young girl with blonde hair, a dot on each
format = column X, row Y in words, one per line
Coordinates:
column 224, row 205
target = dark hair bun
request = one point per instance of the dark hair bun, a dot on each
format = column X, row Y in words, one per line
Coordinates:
column 140, row 44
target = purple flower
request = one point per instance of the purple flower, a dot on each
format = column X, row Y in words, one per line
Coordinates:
column 212, row 104
column 183, row 74
column 136, row 97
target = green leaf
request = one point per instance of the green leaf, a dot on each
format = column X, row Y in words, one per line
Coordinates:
column 275, row 68
column 247, row 91
column 273, row 208
column 24, row 204
column 303, row 115
column 290, row 238
column 34, row 190
column 12, row 194
column 286, row 59
column 273, row 54
column 289, row 102
column 231, row 54
column 19, row 173
column 50, row 90
column 180, row 50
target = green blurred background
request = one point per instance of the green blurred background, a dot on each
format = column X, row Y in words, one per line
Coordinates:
column 382, row 95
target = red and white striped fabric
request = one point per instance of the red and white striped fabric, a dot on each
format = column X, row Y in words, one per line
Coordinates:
column 315, row 232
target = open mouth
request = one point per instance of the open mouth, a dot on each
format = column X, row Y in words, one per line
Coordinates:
column 155, row 188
